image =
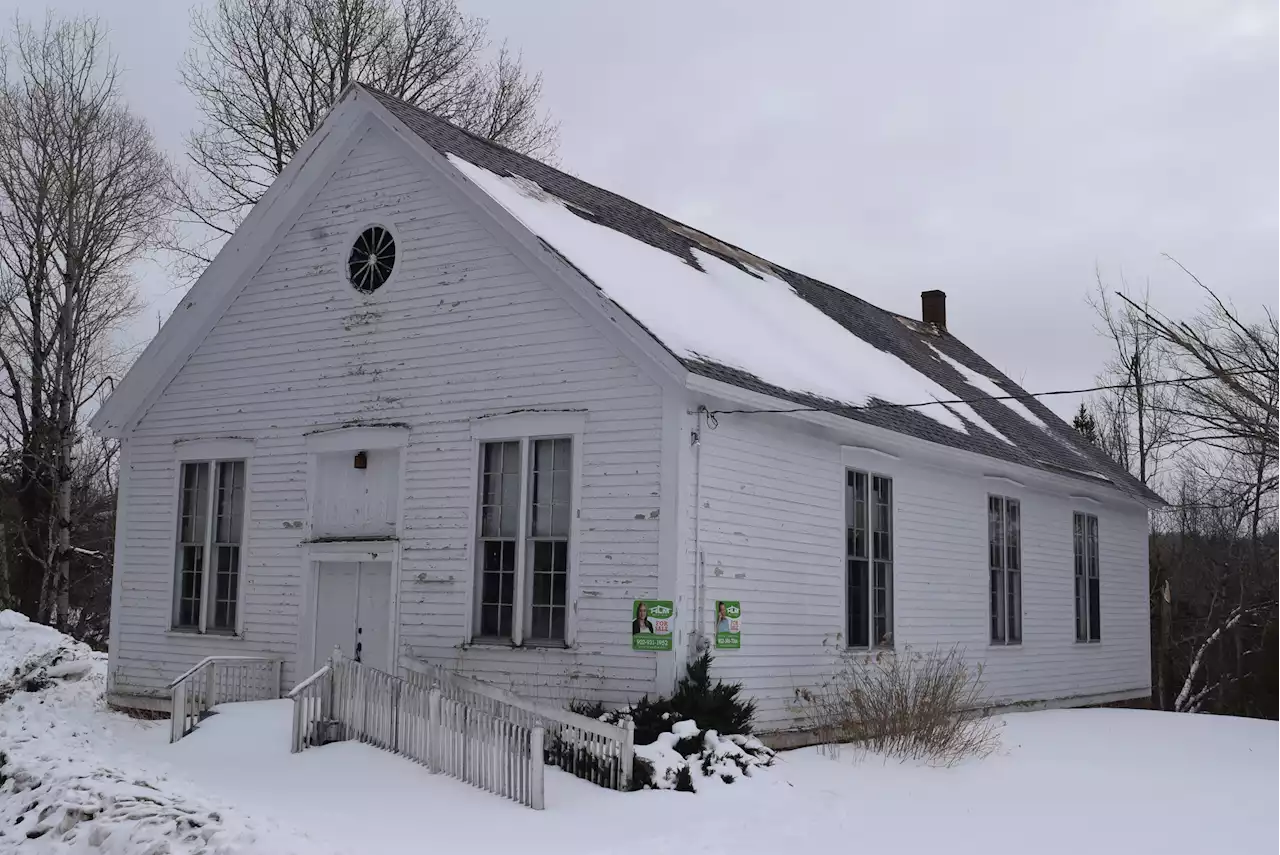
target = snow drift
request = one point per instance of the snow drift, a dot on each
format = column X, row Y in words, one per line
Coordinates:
column 65, row 787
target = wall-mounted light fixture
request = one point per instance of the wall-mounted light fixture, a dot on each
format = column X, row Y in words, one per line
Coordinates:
column 362, row 460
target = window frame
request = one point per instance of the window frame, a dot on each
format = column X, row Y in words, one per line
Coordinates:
column 342, row 253
column 1084, row 549
column 851, row 470
column 998, row 634
column 525, row 429
column 211, row 454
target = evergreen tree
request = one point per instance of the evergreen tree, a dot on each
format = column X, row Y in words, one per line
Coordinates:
column 1085, row 424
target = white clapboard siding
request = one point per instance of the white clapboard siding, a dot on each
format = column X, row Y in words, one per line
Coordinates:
column 773, row 537
column 464, row 328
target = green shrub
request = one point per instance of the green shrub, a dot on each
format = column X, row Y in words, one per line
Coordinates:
column 714, row 706
column 717, row 706
column 590, row 709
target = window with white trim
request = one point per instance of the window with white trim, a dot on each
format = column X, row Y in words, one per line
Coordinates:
column 1004, row 517
column 1088, row 593
column 206, row 588
column 869, row 559
column 522, row 555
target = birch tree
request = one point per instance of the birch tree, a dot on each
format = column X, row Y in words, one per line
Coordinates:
column 265, row 72
column 82, row 189
column 1227, row 369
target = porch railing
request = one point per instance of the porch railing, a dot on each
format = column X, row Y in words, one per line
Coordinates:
column 594, row 750
column 219, row 680
column 350, row 700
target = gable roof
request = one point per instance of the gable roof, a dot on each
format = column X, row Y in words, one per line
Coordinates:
column 719, row 311
column 890, row 359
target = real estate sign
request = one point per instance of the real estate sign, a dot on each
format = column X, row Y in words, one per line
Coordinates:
column 651, row 624
column 728, row 624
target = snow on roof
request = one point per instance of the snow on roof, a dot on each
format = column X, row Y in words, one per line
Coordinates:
column 752, row 321
column 987, row 386
column 970, row 413
column 734, row 317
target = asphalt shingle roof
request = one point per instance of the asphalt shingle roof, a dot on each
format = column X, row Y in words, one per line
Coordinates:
column 1060, row 449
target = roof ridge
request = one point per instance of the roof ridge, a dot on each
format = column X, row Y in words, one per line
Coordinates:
column 891, row 333
column 482, row 140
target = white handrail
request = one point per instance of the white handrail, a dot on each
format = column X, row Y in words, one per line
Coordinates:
column 293, row 693
column 539, row 708
column 205, row 661
column 588, row 748
column 349, row 700
column 220, row 679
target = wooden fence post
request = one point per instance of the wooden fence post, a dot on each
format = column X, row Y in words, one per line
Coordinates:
column 433, row 729
column 395, row 717
column 177, row 711
column 535, row 768
column 210, row 686
column 628, row 755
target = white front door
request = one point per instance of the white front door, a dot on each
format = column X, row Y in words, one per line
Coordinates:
column 353, row 611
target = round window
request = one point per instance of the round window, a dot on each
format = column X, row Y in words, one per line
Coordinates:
column 372, row 258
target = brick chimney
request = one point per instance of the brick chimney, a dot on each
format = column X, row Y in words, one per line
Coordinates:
column 933, row 308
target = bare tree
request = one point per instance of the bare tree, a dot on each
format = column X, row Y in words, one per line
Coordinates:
column 1199, row 412
column 265, row 73
column 1137, row 425
column 1235, row 402
column 82, row 187
column 1219, row 563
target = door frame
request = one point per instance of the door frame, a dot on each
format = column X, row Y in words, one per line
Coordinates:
column 383, row 552
column 351, row 438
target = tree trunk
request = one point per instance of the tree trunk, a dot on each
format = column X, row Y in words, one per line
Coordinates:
column 1140, row 402
column 1166, row 643
column 4, row 566
column 66, row 434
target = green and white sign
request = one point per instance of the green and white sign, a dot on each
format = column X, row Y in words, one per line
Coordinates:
column 651, row 624
column 728, row 624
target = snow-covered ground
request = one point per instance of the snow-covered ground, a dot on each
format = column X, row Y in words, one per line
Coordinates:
column 70, row 783
column 1068, row 781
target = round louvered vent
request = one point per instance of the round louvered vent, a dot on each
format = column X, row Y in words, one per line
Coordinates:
column 373, row 257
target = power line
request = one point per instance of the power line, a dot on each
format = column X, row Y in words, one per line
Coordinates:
column 838, row 408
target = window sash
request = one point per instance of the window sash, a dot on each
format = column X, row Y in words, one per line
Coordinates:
column 1004, row 540
column 209, row 545
column 868, row 559
column 1088, row 595
column 524, row 533
column 499, row 534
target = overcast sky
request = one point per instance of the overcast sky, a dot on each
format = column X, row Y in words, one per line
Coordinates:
column 1000, row 151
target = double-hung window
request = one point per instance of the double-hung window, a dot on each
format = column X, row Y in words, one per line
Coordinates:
column 206, row 587
column 1004, row 517
column 869, row 559
column 1088, row 595
column 522, row 555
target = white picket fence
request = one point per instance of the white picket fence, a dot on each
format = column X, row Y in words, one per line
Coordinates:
column 219, row 680
column 590, row 749
column 350, row 700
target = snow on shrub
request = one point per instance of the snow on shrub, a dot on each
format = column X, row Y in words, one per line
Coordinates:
column 717, row 705
column 686, row 757
column 669, row 742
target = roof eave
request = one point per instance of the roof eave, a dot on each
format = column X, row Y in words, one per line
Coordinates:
column 898, row 442
column 207, row 299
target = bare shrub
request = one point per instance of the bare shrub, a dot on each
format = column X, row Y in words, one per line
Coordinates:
column 903, row 704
